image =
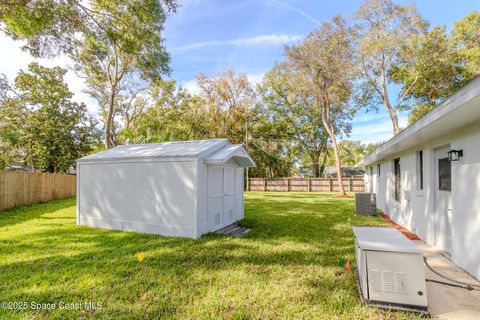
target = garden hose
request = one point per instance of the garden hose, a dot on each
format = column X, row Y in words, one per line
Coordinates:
column 460, row 284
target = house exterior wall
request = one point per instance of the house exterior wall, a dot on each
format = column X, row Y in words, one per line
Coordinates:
column 416, row 208
column 155, row 196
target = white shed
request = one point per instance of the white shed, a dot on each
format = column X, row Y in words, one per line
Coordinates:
column 183, row 189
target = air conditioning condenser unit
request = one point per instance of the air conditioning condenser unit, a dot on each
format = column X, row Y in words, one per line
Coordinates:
column 365, row 204
column 390, row 269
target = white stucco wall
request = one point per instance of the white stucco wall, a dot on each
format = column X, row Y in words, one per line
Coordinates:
column 416, row 209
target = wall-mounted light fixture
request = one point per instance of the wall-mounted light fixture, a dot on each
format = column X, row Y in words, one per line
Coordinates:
column 454, row 155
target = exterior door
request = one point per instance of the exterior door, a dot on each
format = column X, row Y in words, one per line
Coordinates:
column 215, row 197
column 443, row 199
column 229, row 193
column 221, row 197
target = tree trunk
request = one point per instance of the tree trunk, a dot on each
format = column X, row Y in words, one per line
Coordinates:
column 393, row 115
column 331, row 132
column 324, row 151
column 327, row 123
column 109, row 139
column 338, row 165
column 324, row 162
column 315, row 166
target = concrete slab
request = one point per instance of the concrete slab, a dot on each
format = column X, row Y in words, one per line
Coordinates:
column 446, row 302
column 233, row 230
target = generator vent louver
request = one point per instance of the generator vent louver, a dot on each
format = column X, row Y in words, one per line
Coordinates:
column 387, row 279
column 401, row 283
column 375, row 280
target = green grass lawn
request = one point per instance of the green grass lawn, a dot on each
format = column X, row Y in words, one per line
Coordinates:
column 286, row 267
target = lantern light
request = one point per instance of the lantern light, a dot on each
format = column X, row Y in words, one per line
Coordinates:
column 454, row 155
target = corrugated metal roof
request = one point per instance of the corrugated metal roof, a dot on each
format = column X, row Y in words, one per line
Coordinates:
column 162, row 150
column 235, row 151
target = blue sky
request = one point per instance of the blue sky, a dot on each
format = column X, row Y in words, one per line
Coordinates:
column 249, row 36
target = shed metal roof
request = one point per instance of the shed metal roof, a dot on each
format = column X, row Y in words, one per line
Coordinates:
column 233, row 151
column 185, row 149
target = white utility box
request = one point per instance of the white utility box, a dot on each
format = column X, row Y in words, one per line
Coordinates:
column 390, row 269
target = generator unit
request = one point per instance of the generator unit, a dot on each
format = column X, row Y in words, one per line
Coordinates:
column 390, row 271
column 365, row 204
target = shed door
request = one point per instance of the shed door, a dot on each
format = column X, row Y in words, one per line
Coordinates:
column 215, row 197
column 221, row 196
column 443, row 200
column 229, row 194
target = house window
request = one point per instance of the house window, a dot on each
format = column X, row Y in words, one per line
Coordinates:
column 444, row 174
column 396, row 170
column 378, row 171
column 370, row 178
column 420, row 170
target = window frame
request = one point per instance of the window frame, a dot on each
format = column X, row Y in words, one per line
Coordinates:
column 397, row 188
column 420, row 182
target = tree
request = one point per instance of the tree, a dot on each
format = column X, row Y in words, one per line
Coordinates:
column 225, row 108
column 384, row 29
column 351, row 152
column 43, row 122
column 120, row 50
column 51, row 27
column 115, row 45
column 294, row 112
column 268, row 147
column 466, row 36
column 47, row 26
column 9, row 134
column 230, row 100
column 233, row 113
column 171, row 114
column 429, row 69
column 326, row 62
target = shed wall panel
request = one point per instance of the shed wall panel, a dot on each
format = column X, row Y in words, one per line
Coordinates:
column 154, row 197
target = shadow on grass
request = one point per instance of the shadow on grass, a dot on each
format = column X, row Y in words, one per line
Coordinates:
column 288, row 260
column 22, row 214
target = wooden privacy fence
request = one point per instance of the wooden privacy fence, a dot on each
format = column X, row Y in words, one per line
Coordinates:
column 24, row 188
column 353, row 184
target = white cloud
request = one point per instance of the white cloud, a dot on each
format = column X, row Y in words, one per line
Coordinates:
column 192, row 86
column 296, row 9
column 255, row 78
column 375, row 127
column 369, row 117
column 13, row 58
column 271, row 39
